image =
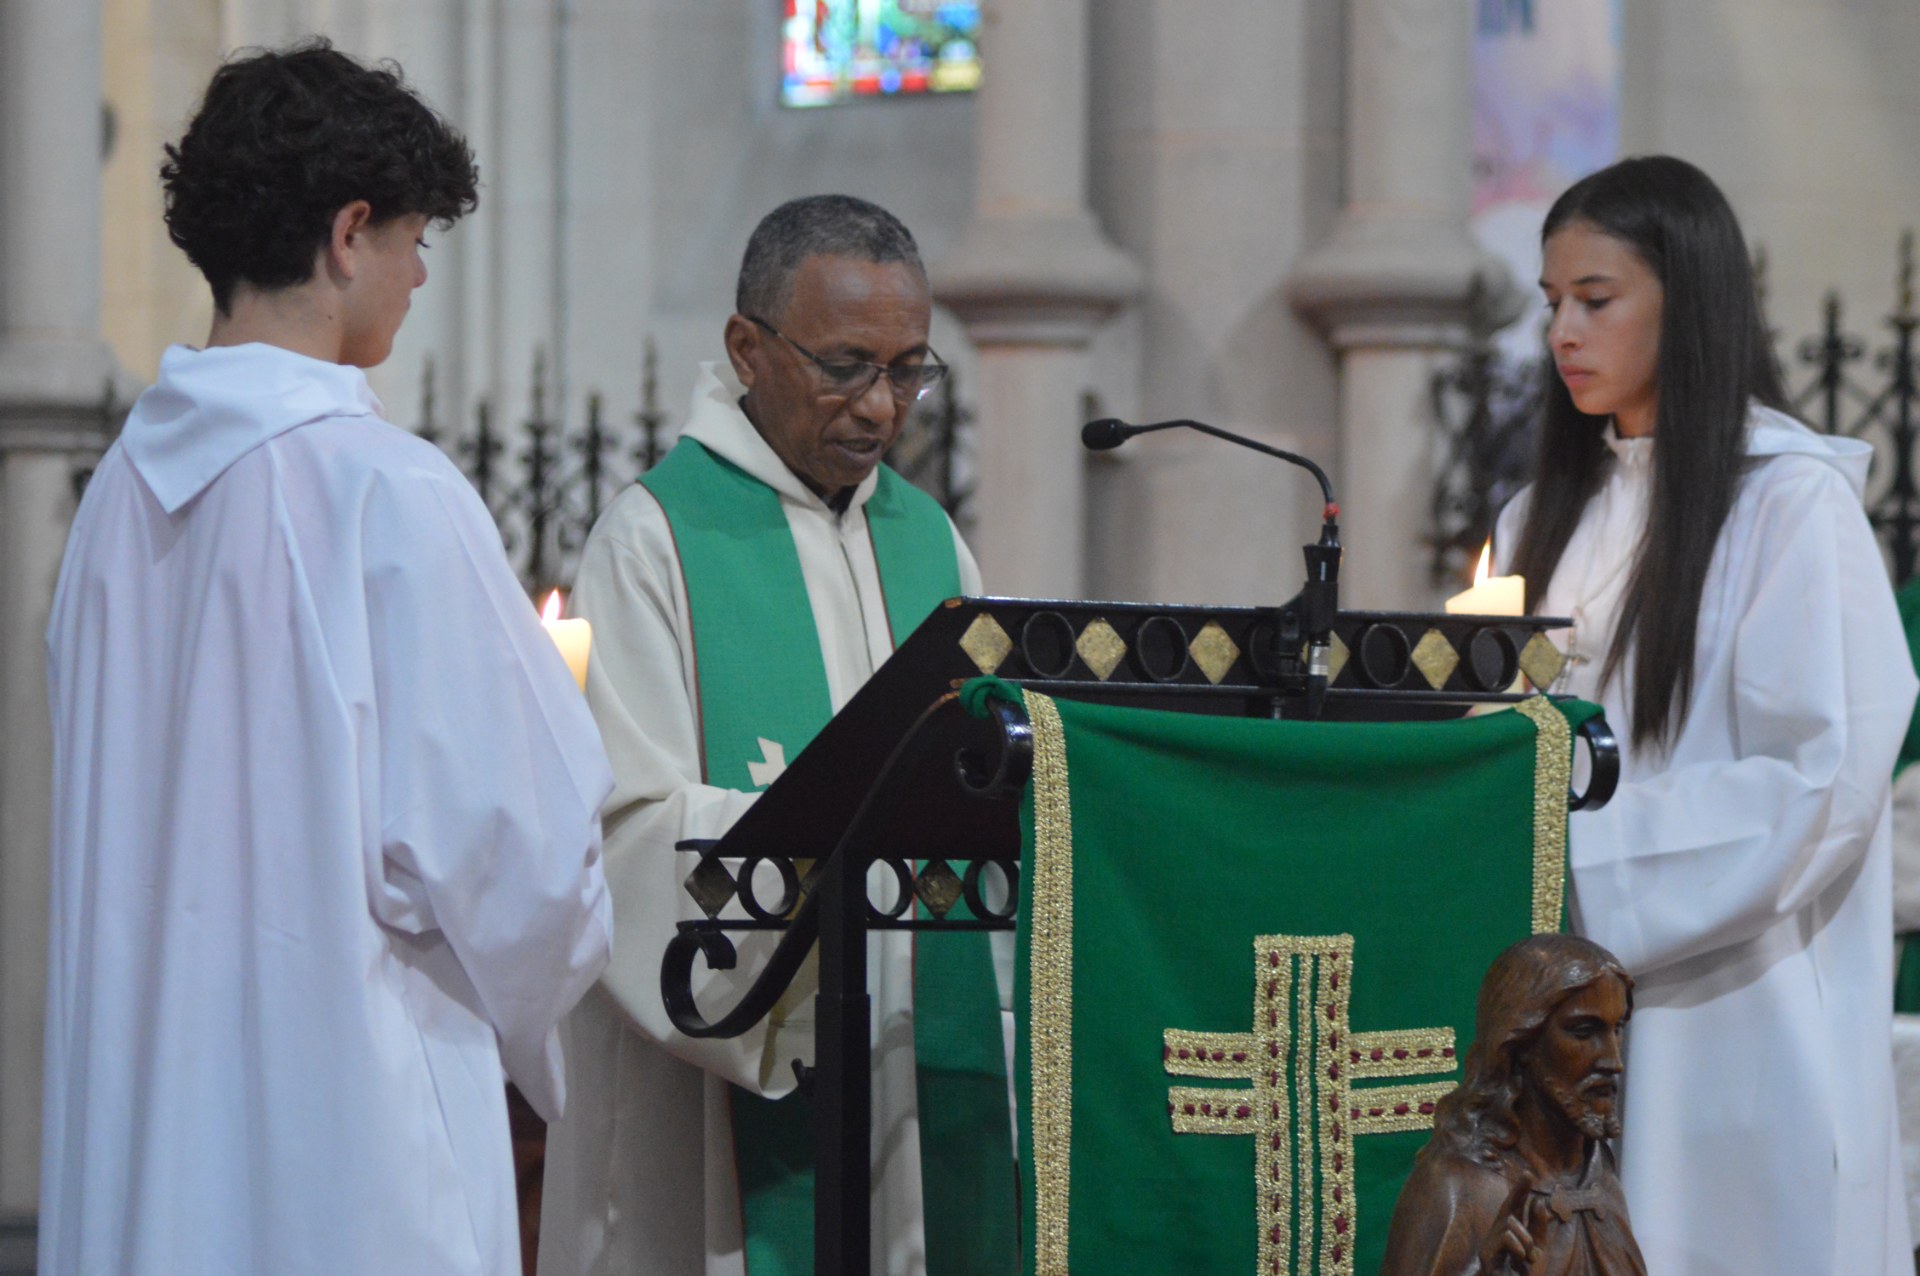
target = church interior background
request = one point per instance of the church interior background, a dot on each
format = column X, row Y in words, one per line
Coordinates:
column 1283, row 217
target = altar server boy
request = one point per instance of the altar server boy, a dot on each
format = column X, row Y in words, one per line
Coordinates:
column 325, row 846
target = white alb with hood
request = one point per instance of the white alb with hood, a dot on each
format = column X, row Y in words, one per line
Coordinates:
column 325, row 845
column 1744, row 875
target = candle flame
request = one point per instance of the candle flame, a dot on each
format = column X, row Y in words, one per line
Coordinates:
column 1481, row 572
column 550, row 612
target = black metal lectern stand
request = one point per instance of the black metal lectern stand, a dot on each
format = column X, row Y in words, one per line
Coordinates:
column 902, row 775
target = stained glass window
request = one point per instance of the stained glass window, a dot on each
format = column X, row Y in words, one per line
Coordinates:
column 839, row 50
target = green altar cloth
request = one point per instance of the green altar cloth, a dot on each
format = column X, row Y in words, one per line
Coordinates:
column 1248, row 956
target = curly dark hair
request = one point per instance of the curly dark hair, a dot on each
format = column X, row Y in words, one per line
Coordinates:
column 282, row 141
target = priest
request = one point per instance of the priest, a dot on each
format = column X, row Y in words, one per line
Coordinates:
column 740, row 594
column 325, row 862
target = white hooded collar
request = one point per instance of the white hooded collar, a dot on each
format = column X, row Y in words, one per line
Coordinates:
column 1769, row 433
column 209, row 408
column 717, row 421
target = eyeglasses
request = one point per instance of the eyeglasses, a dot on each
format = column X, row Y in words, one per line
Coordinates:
column 851, row 378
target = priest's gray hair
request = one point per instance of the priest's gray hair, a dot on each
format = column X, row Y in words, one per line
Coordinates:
column 816, row 225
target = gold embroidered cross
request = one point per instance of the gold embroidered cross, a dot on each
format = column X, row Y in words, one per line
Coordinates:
column 1304, row 1109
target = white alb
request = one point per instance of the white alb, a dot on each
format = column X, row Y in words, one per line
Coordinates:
column 325, row 845
column 1744, row 877
column 640, row 1175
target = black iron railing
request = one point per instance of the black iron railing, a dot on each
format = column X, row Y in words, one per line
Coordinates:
column 1876, row 401
column 1485, row 405
column 546, row 484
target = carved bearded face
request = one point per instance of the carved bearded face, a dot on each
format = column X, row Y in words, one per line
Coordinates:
column 1575, row 1061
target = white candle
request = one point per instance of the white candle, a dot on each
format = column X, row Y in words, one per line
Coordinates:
column 573, row 637
column 1490, row 596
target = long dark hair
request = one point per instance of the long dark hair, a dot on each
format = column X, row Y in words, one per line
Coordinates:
column 1714, row 359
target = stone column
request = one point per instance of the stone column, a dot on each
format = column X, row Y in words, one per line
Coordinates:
column 1396, row 284
column 55, row 376
column 1032, row 279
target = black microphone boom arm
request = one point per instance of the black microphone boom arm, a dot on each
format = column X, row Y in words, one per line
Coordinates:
column 1319, row 599
column 1107, row 433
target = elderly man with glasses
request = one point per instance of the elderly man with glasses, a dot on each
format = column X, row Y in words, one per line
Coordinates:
column 740, row 594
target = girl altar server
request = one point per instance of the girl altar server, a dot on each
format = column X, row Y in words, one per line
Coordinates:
column 1732, row 613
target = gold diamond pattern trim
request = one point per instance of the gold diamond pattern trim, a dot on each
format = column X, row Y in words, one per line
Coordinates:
column 938, row 887
column 986, row 643
column 1337, row 657
column 1391, row 1109
column 711, row 885
column 1101, row 646
column 1541, row 661
column 1435, row 658
column 1552, row 778
column 1213, row 651
column 1050, row 980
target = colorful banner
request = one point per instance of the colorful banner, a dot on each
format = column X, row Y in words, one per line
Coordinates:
column 1546, row 112
column 1248, row 957
column 839, row 50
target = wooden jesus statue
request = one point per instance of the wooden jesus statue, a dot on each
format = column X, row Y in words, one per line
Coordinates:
column 1519, row 1178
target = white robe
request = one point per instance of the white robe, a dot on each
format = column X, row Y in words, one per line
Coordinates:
column 1744, row 878
column 640, row 1177
column 325, row 846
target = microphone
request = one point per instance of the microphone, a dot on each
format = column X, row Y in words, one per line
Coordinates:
column 1106, row 434
column 1319, row 599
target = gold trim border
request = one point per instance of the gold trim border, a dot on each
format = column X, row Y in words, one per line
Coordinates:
column 1417, row 1052
column 1209, row 1054
column 1339, row 1207
column 1552, row 777
column 1375, row 1110
column 1050, row 986
column 1203, row 1110
column 1301, row 1186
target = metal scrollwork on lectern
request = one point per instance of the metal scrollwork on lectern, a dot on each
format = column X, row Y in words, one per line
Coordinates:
column 997, row 774
column 1603, row 758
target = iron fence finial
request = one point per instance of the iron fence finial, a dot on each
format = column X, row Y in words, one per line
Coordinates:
column 1906, row 273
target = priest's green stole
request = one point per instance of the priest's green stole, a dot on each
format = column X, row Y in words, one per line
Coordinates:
column 761, row 682
column 763, row 695
column 1249, row 953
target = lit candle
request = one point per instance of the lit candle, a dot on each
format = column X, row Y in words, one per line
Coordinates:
column 573, row 637
column 1495, row 596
